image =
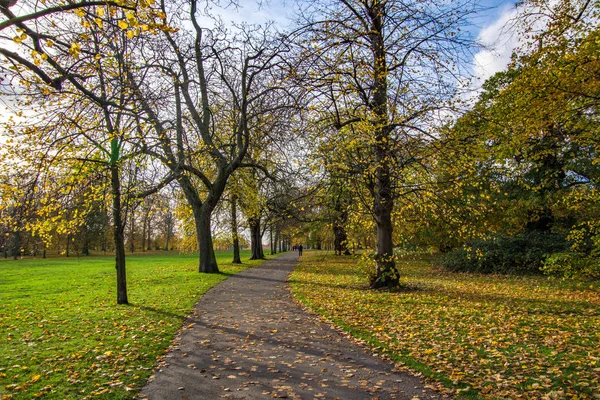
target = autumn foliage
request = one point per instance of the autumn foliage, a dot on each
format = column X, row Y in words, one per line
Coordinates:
column 513, row 337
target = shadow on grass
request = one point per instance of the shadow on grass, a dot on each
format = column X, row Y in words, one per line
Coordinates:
column 359, row 286
column 563, row 308
column 160, row 312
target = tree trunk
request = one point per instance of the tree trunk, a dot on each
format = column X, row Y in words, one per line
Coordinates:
column 168, row 233
column 279, row 241
column 119, row 235
column 104, row 238
column 132, row 232
column 149, row 233
column 86, row 242
column 339, row 240
column 273, row 241
column 256, row 239
column 16, row 250
column 234, row 231
column 208, row 261
column 144, row 229
column 202, row 212
column 386, row 272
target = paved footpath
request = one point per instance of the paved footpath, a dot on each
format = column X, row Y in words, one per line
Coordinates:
column 248, row 339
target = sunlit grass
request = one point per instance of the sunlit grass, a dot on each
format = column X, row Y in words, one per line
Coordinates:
column 477, row 335
column 62, row 335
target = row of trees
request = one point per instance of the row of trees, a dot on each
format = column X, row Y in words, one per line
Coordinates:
column 348, row 121
column 82, row 228
column 521, row 161
column 124, row 95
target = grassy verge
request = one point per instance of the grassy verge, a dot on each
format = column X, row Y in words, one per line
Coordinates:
column 479, row 336
column 62, row 335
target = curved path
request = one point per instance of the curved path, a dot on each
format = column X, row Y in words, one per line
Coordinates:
column 247, row 339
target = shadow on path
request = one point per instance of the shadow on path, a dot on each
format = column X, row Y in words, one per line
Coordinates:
column 248, row 339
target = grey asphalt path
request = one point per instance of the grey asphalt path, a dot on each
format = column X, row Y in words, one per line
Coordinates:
column 248, row 339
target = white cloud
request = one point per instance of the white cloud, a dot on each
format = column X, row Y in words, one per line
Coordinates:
column 503, row 35
column 248, row 12
column 499, row 40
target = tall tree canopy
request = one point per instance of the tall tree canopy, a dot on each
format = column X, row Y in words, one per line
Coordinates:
column 382, row 71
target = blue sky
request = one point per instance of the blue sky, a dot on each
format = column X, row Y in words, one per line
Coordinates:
column 488, row 28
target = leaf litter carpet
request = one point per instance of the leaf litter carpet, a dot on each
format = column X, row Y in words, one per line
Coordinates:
column 247, row 339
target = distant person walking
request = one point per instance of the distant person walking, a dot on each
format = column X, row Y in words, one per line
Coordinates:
column 300, row 250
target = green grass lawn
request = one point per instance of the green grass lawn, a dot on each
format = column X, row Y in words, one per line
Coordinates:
column 478, row 336
column 62, row 335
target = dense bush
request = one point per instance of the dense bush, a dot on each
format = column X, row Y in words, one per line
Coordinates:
column 521, row 254
column 572, row 265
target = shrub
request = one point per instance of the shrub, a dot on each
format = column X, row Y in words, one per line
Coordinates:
column 521, row 254
column 368, row 267
column 572, row 265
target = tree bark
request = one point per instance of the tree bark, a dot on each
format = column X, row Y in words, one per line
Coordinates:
column 16, row 245
column 207, row 258
column 132, row 232
column 279, row 241
column 168, row 233
column 386, row 272
column 256, row 239
column 144, row 230
column 339, row 240
column 149, row 233
column 273, row 242
column 86, row 244
column 234, row 231
column 104, row 236
column 119, row 235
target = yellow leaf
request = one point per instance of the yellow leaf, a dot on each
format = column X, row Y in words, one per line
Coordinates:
column 75, row 50
column 35, row 378
column 100, row 11
column 123, row 25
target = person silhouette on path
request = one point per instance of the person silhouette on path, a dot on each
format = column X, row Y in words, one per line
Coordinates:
column 300, row 250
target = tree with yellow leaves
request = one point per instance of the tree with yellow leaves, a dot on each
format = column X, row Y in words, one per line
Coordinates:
column 382, row 70
column 70, row 65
